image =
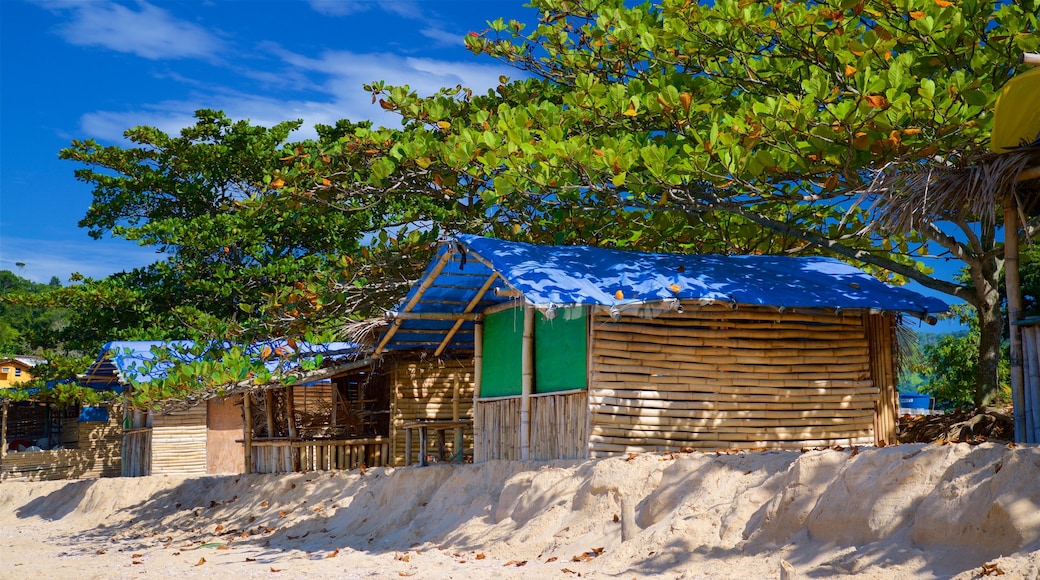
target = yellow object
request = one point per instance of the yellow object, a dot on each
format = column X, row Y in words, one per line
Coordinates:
column 619, row 295
column 1016, row 116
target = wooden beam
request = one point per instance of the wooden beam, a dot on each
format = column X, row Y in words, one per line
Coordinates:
column 469, row 308
column 441, row 263
column 1030, row 58
column 434, row 316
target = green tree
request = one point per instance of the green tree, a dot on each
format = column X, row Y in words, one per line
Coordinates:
column 26, row 329
column 777, row 115
column 951, row 363
column 246, row 258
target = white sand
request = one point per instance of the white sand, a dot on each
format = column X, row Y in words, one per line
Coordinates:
column 909, row 511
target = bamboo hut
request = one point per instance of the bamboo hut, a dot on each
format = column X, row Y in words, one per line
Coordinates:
column 575, row 352
column 317, row 423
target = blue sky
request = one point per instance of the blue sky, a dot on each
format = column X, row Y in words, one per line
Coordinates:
column 77, row 69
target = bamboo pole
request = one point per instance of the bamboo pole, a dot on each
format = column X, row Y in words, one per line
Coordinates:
column 478, row 371
column 526, row 382
column 1014, row 301
column 247, row 411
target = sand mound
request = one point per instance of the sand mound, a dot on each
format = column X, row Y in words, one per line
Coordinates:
column 907, row 511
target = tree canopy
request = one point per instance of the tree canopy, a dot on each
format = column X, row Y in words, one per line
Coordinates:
column 779, row 116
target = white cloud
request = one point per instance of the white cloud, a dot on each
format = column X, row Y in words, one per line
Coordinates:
column 43, row 259
column 149, row 32
column 443, row 37
column 334, row 81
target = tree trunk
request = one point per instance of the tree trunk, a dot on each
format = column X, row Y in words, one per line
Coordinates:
column 991, row 325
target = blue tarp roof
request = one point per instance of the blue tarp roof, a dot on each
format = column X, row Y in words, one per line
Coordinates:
column 119, row 362
column 582, row 275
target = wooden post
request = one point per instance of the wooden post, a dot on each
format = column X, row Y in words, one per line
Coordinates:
column 456, row 415
column 247, row 411
column 269, row 398
column 407, row 447
column 3, row 435
column 478, row 363
column 1031, row 374
column 423, row 447
column 290, row 414
column 526, row 382
column 1014, row 301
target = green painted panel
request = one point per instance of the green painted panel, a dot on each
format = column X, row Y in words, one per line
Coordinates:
column 561, row 351
column 503, row 343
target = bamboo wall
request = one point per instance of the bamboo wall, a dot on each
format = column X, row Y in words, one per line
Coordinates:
column 559, row 427
column 882, row 340
column 97, row 454
column 716, row 378
column 438, row 389
column 179, row 442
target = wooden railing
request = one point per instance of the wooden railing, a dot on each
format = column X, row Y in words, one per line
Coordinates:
column 281, row 454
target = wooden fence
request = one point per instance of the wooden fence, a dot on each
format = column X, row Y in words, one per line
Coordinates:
column 284, row 455
column 559, row 427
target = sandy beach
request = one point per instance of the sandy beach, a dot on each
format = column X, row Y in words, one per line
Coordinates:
column 906, row 511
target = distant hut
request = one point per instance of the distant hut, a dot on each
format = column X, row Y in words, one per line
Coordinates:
column 45, row 441
column 574, row 352
column 317, row 424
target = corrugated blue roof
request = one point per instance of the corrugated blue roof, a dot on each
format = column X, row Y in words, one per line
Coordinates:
column 582, row 275
column 120, row 362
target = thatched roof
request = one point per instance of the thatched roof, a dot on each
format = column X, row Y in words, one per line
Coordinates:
column 968, row 190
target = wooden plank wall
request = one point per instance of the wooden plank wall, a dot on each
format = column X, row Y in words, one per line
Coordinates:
column 717, row 378
column 431, row 389
column 97, row 454
column 179, row 442
column 559, row 427
column 225, row 428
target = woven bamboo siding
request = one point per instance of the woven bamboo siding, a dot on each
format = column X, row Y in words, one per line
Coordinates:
column 179, row 442
column 881, row 334
column 715, row 378
column 97, row 455
column 439, row 389
column 559, row 427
